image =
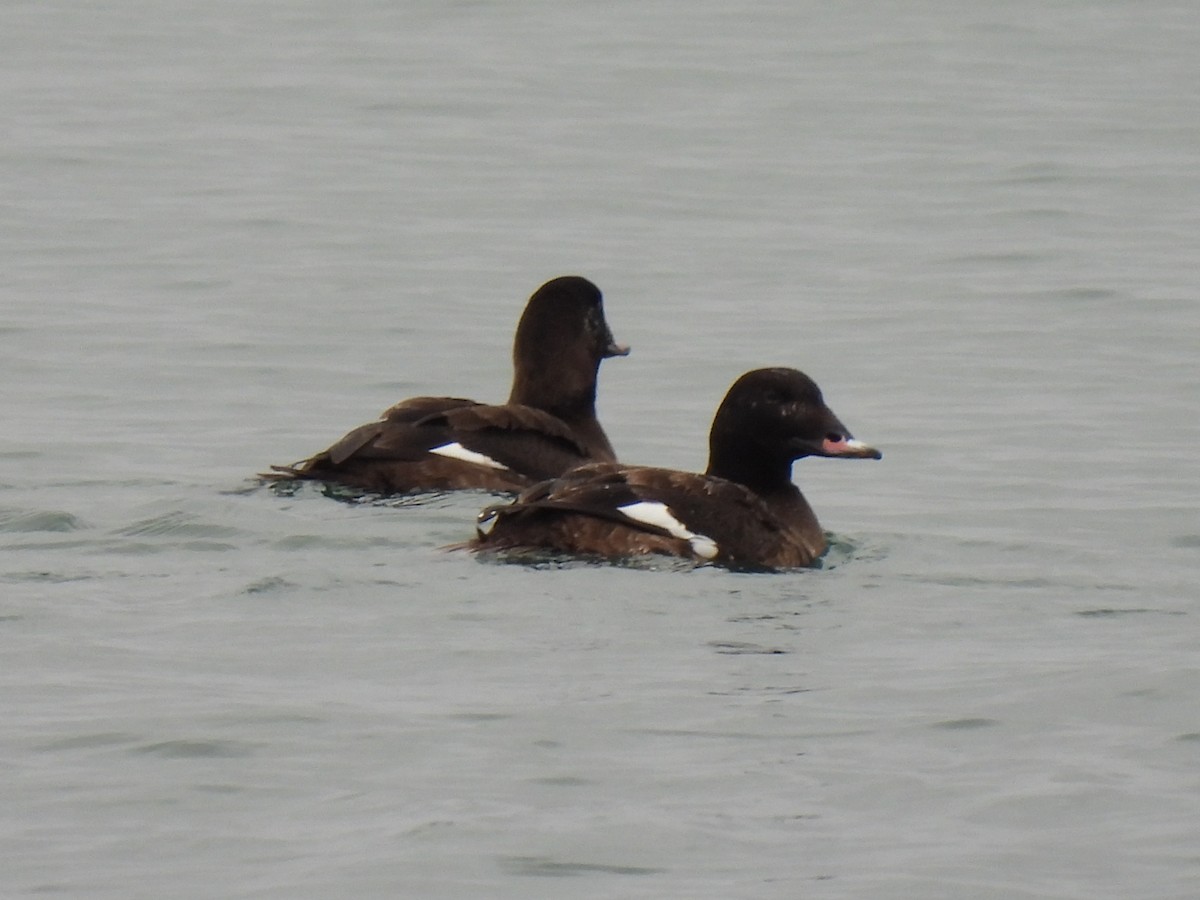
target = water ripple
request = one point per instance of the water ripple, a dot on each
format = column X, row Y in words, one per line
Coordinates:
column 177, row 523
column 184, row 749
column 545, row 867
column 23, row 520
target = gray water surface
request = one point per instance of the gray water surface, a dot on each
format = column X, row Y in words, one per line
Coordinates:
column 232, row 231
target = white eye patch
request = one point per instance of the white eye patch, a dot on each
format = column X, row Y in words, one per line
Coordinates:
column 455, row 450
column 657, row 514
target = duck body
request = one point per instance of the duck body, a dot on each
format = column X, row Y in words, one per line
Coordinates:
column 743, row 512
column 449, row 443
column 548, row 425
column 611, row 511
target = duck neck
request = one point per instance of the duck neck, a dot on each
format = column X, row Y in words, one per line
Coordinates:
column 562, row 394
column 765, row 473
column 555, row 375
column 771, row 479
column 569, row 395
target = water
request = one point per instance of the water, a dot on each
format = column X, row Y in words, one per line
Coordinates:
column 233, row 231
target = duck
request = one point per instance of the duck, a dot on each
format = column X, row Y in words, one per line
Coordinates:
column 743, row 512
column 547, row 426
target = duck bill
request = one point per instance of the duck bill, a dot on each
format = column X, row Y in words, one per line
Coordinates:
column 846, row 447
column 615, row 349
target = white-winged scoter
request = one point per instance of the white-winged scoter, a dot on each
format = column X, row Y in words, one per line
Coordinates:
column 743, row 512
column 548, row 425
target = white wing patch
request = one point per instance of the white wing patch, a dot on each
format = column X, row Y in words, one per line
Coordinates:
column 657, row 514
column 486, row 521
column 455, row 450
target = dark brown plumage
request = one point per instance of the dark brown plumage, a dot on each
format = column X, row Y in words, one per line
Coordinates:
column 744, row 512
column 547, row 426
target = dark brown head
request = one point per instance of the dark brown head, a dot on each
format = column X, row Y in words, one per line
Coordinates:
column 561, row 339
column 770, row 418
